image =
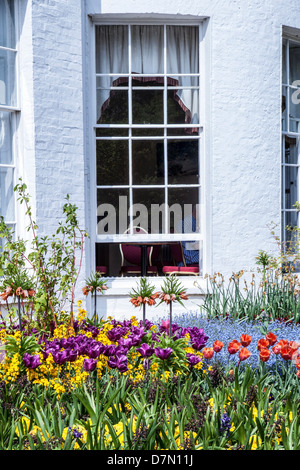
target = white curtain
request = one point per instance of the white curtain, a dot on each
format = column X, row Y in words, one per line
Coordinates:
column 147, row 56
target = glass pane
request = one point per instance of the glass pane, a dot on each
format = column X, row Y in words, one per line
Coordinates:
column 149, row 209
column 294, row 111
column 147, row 131
column 291, row 150
column 147, row 162
column 6, row 155
column 7, row 78
column 147, row 106
column 112, row 49
column 111, row 132
column 294, row 49
column 112, row 211
column 183, row 131
column 7, row 27
column 141, row 81
column 112, row 162
column 291, row 186
column 291, row 232
column 182, row 49
column 284, row 75
column 184, row 210
column 183, row 162
column 183, row 106
column 7, row 208
column 112, row 106
column 147, row 43
column 284, row 119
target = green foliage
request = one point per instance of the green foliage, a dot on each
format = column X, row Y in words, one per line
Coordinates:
column 51, row 260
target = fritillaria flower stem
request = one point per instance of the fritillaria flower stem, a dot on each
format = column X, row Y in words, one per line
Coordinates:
column 170, row 332
column 19, row 312
column 144, row 314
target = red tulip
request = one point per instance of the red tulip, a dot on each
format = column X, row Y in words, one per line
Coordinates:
column 286, row 353
column 244, row 353
column 208, row 353
column 277, row 348
column 271, row 338
column 246, row 340
column 233, row 347
column 262, row 344
column 217, row 346
column 264, row 354
column 298, row 374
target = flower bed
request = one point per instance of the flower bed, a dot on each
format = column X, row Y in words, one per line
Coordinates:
column 122, row 385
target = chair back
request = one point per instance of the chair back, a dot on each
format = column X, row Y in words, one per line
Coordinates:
column 177, row 253
column 131, row 253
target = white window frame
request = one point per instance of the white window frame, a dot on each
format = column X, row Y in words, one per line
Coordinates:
column 204, row 141
column 286, row 132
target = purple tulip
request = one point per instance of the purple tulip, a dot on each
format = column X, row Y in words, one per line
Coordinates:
column 193, row 359
column 163, row 353
column 32, row 362
column 60, row 357
column 89, row 365
column 119, row 361
column 145, row 350
column 73, row 354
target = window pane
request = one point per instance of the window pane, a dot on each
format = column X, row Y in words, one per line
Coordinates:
column 183, row 166
column 147, row 162
column 291, row 190
column 147, row 43
column 146, row 131
column 184, row 203
column 5, row 138
column 111, row 132
column 183, row 106
column 284, row 76
column 7, row 27
column 112, row 162
column 182, row 48
column 147, row 106
column 7, row 78
column 112, row 211
column 291, row 232
column 7, row 209
column 294, row 49
column 284, row 119
column 148, row 205
column 112, row 49
column 294, row 115
column 292, row 149
column 112, row 106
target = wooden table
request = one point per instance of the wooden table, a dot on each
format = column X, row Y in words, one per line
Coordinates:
column 144, row 252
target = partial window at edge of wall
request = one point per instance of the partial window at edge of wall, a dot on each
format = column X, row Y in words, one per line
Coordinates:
column 291, row 146
column 8, row 109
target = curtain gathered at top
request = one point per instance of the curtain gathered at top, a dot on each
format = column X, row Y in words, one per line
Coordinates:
column 146, row 56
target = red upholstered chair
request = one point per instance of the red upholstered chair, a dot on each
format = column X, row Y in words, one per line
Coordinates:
column 131, row 257
column 101, row 270
column 178, row 257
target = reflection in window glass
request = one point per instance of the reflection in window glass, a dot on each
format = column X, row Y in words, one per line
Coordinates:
column 112, row 162
column 183, row 162
column 112, row 211
column 7, row 208
column 147, row 162
column 5, row 138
